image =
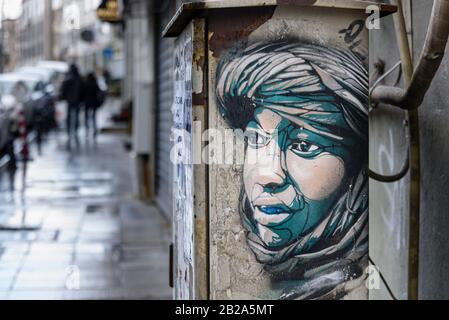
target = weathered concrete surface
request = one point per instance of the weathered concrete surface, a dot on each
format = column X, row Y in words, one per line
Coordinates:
column 91, row 228
column 434, row 132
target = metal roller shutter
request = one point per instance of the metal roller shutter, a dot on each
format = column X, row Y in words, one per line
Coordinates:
column 164, row 65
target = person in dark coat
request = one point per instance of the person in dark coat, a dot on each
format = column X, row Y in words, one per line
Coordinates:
column 92, row 101
column 72, row 92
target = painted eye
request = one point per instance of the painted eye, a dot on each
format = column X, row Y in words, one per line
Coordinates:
column 255, row 139
column 303, row 147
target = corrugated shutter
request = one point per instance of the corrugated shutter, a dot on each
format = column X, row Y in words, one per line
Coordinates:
column 165, row 47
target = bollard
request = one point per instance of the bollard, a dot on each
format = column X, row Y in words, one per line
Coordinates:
column 270, row 149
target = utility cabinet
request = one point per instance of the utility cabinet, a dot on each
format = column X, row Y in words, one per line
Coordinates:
column 270, row 148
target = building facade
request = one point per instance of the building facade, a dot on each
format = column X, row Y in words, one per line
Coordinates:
column 68, row 30
column 148, row 83
column 9, row 44
column 82, row 38
column 148, row 86
column 34, row 32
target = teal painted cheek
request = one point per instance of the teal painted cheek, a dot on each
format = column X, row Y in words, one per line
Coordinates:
column 316, row 212
column 282, row 238
column 291, row 230
column 300, row 224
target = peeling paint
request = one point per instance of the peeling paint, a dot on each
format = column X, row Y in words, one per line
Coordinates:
column 224, row 34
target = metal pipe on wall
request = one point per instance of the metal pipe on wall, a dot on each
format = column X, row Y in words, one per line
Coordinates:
column 431, row 56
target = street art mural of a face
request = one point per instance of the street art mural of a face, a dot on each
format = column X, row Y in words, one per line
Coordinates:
column 304, row 200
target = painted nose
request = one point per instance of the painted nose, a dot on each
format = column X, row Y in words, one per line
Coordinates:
column 271, row 173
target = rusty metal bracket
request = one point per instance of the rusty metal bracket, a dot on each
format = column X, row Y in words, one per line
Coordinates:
column 429, row 62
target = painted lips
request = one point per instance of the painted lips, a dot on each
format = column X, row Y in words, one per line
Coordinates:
column 273, row 209
column 271, row 215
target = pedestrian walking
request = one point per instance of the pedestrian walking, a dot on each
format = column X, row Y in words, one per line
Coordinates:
column 93, row 99
column 72, row 93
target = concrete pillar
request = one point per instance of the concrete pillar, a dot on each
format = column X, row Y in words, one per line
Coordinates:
column 140, row 88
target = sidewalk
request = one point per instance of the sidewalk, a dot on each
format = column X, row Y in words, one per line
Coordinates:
column 94, row 241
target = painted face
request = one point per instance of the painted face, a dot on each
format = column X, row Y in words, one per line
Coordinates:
column 293, row 174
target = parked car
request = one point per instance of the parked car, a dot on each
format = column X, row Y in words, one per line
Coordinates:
column 59, row 66
column 46, row 76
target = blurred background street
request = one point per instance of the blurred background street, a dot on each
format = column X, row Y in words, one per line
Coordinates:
column 93, row 239
column 85, row 206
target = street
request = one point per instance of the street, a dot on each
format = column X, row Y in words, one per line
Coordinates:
column 75, row 230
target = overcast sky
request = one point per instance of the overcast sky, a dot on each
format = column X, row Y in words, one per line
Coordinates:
column 12, row 8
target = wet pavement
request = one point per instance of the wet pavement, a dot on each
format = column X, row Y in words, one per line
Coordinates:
column 76, row 231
